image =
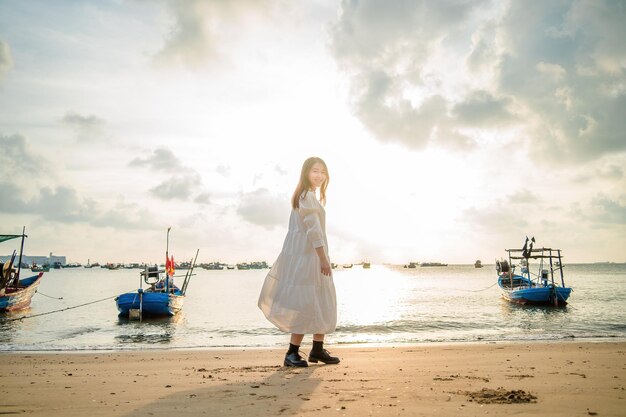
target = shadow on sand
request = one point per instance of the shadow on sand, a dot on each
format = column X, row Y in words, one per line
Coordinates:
column 260, row 391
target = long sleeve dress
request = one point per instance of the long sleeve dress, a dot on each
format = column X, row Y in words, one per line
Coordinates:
column 296, row 297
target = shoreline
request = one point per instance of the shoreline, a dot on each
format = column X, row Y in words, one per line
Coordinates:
column 565, row 378
column 382, row 345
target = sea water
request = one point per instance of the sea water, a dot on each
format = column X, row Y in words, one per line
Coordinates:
column 384, row 305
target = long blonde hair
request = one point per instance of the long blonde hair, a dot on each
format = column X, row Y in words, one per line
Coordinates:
column 304, row 184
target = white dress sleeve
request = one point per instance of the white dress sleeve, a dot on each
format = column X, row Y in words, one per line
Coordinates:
column 309, row 211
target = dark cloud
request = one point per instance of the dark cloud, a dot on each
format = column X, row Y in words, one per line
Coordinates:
column 554, row 69
column 565, row 68
column 64, row 204
column 482, row 109
column 6, row 60
column 88, row 128
column 177, row 187
column 262, row 208
column 161, row 159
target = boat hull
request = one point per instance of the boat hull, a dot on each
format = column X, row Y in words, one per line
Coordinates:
column 151, row 303
column 20, row 298
column 527, row 293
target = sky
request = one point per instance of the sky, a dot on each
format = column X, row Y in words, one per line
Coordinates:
column 451, row 129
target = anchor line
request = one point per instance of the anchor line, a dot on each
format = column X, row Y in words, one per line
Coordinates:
column 49, row 296
column 62, row 309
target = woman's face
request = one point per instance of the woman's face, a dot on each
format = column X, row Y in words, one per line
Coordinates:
column 317, row 175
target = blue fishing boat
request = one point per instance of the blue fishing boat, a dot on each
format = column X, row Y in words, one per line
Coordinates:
column 528, row 288
column 16, row 293
column 161, row 297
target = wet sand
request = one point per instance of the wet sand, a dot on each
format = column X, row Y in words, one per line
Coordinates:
column 554, row 379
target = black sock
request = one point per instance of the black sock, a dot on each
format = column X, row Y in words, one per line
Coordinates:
column 292, row 349
column 318, row 347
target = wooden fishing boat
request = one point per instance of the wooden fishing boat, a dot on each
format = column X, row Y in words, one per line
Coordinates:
column 16, row 293
column 528, row 288
column 162, row 297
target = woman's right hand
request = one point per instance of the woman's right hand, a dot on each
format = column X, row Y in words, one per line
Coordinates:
column 326, row 269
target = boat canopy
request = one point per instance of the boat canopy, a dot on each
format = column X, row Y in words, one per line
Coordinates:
column 4, row 238
column 538, row 253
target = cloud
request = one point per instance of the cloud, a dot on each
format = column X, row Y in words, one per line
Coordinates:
column 202, row 198
column 6, row 59
column 262, row 208
column 202, row 27
column 612, row 172
column 481, row 108
column 421, row 73
column 522, row 197
column 386, row 48
column 177, row 187
column 564, row 67
column 495, row 219
column 223, row 170
column 87, row 128
column 608, row 211
column 161, row 159
column 64, row 204
column 18, row 158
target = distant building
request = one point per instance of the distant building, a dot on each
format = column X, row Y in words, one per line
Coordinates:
column 39, row 260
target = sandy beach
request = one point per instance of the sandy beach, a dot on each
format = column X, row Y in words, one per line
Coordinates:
column 556, row 379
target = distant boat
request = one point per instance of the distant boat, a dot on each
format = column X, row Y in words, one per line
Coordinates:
column 347, row 266
column 253, row 265
column 412, row 265
column 230, row 266
column 16, row 293
column 162, row 297
column 213, row 266
column 42, row 268
column 366, row 265
column 542, row 289
column 432, row 264
column 478, row 264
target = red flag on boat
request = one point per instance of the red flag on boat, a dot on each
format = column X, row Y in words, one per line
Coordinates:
column 169, row 265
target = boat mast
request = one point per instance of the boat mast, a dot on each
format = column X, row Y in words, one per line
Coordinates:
column 558, row 251
column 16, row 280
column 189, row 274
column 167, row 254
column 551, row 268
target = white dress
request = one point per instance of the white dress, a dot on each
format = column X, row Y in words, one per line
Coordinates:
column 296, row 297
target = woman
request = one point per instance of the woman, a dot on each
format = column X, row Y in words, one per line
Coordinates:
column 298, row 294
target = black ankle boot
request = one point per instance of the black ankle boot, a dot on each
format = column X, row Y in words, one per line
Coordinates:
column 293, row 358
column 319, row 354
